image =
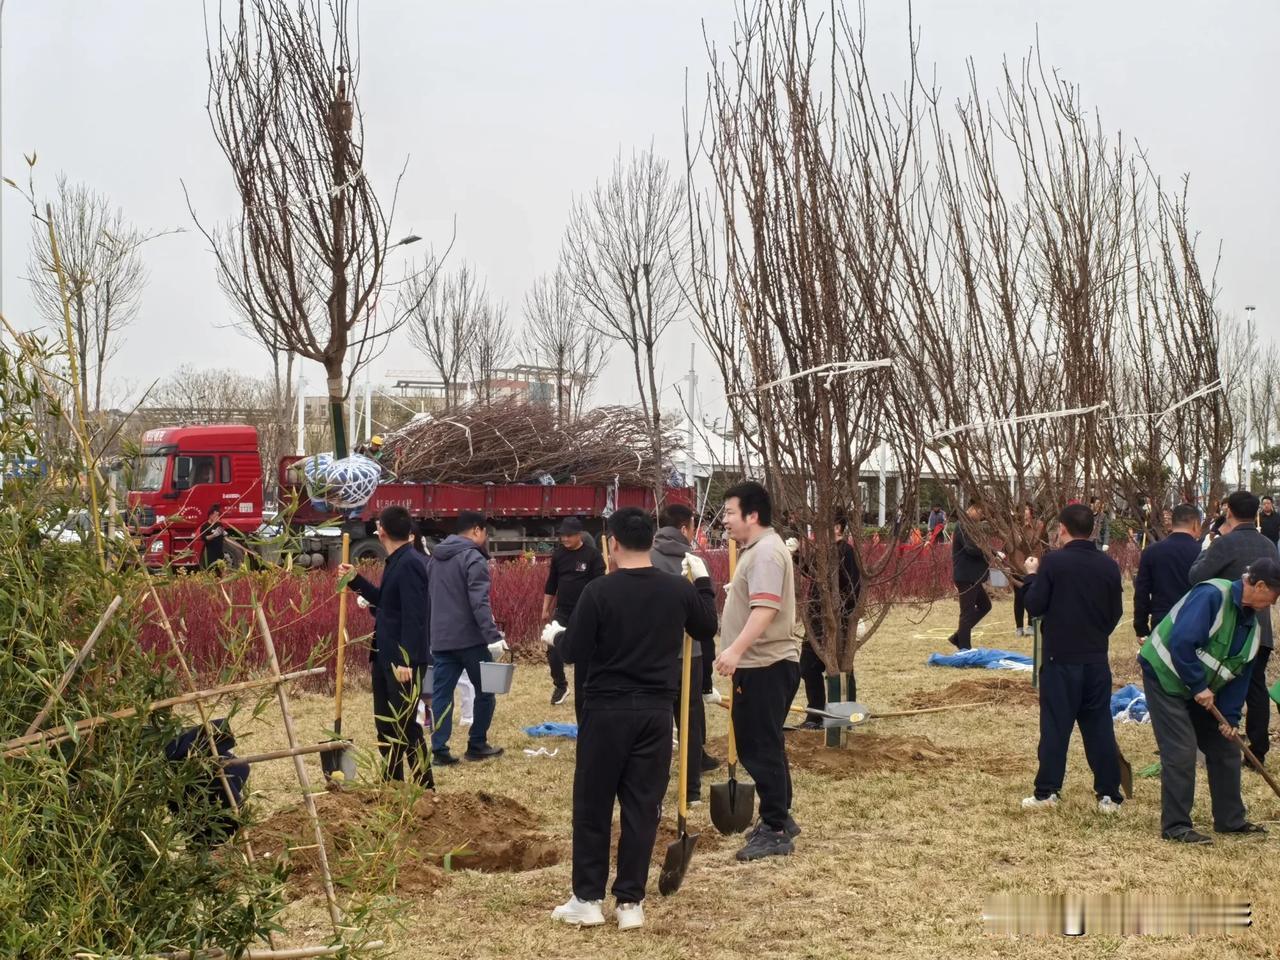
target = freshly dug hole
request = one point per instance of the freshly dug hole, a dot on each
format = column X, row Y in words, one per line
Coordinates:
column 874, row 753
column 497, row 834
column 1008, row 691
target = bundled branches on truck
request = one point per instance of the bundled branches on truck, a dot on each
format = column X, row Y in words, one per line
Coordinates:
column 518, row 442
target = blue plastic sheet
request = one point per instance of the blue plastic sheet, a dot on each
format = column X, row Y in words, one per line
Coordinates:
column 1129, row 705
column 567, row 730
column 982, row 657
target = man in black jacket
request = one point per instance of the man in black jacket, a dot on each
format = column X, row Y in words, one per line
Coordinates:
column 849, row 584
column 1075, row 591
column 969, row 571
column 671, row 544
column 574, row 564
column 629, row 628
column 401, row 648
column 1163, row 570
column 1269, row 521
column 1227, row 558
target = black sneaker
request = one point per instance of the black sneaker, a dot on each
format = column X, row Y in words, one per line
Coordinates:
column 811, row 724
column 443, row 758
column 1246, row 827
column 1190, row 836
column 709, row 763
column 559, row 695
column 791, row 828
column 763, row 842
column 956, row 643
column 485, row 751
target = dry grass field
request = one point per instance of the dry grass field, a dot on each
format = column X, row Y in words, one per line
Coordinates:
column 906, row 834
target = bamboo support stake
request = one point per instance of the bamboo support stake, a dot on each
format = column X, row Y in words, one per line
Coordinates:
column 291, row 752
column 20, row 745
column 76, row 664
column 242, row 836
column 299, row 767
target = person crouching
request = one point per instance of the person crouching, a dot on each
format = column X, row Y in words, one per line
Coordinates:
column 627, row 629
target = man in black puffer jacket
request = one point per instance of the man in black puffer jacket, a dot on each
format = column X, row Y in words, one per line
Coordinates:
column 969, row 571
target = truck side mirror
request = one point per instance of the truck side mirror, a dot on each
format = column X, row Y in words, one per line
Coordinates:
column 182, row 473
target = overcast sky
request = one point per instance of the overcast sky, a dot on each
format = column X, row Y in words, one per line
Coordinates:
column 505, row 109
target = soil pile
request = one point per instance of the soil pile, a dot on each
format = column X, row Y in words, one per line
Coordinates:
column 1008, row 691
column 475, row 831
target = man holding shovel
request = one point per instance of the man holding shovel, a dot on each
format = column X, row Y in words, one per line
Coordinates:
column 1200, row 658
column 400, row 650
column 628, row 629
column 761, row 652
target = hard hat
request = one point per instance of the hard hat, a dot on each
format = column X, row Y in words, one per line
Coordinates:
column 376, row 440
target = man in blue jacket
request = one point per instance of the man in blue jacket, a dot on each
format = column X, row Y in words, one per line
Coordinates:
column 462, row 633
column 1076, row 593
column 1199, row 656
column 400, row 650
column 1163, row 570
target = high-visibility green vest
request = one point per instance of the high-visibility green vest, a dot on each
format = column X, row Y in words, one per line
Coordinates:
column 1220, row 665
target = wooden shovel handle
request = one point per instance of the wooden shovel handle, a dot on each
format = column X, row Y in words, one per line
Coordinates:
column 1257, row 764
column 340, row 668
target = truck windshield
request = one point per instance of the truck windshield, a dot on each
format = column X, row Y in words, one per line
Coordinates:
column 148, row 473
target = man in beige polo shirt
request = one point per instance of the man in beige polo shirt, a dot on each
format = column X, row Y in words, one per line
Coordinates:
column 760, row 640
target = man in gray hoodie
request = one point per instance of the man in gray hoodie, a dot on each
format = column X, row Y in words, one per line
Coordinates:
column 462, row 631
column 673, row 540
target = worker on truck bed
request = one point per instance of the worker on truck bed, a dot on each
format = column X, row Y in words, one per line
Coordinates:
column 574, row 564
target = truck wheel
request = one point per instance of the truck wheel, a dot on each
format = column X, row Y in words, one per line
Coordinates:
column 369, row 549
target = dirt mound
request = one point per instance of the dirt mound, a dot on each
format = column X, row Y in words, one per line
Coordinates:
column 475, row 831
column 864, row 753
column 1010, row 691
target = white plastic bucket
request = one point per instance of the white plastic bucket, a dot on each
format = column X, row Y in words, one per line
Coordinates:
column 496, row 677
column 999, row 580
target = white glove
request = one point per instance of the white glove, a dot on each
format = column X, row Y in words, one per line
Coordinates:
column 863, row 629
column 693, row 567
column 496, row 650
column 550, row 632
column 1032, row 564
column 1106, row 547
column 792, row 544
column 361, row 602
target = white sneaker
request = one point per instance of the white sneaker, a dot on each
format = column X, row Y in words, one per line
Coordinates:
column 630, row 916
column 1048, row 803
column 712, row 698
column 1108, row 806
column 580, row 913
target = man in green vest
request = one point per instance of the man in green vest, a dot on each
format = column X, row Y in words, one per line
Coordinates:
column 1201, row 655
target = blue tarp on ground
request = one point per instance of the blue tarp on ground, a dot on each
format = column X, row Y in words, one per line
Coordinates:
column 569, row 730
column 1129, row 705
column 982, row 657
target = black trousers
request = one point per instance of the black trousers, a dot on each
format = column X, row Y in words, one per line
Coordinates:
column 814, row 675
column 395, row 716
column 974, row 605
column 623, row 755
column 1257, row 716
column 1020, row 605
column 697, row 732
column 761, row 696
column 708, row 662
column 556, row 666
column 1077, row 694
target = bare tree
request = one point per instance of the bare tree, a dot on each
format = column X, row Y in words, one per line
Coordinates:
column 626, row 259
column 443, row 315
column 104, row 273
column 304, row 263
column 793, row 263
column 559, row 337
column 491, row 348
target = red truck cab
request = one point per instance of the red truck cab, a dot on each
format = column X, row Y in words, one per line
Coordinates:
column 180, row 474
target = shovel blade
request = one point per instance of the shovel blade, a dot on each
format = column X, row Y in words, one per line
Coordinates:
column 1126, row 777
column 341, row 761
column 676, row 862
column 733, row 804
